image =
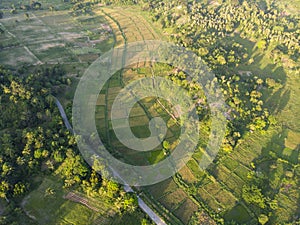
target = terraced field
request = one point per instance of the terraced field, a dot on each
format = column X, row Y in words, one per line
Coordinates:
column 220, row 187
column 133, row 27
column 175, row 199
column 217, row 193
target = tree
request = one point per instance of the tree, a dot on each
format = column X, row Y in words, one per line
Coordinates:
column 166, row 145
column 261, row 44
column 263, row 219
column 259, row 81
column 6, row 169
column 13, row 11
column 19, row 189
column 4, row 188
column 49, row 191
column 72, row 169
column 130, row 202
column 273, row 204
column 221, row 60
column 203, row 51
column 253, row 195
column 144, row 222
column 1, row 14
column 112, row 188
column 36, row 5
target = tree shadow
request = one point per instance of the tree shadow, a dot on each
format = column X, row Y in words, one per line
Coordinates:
column 239, row 215
column 274, row 164
column 278, row 101
column 270, row 70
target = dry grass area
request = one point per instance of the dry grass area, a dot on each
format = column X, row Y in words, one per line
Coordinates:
column 172, row 200
column 52, row 37
column 187, row 175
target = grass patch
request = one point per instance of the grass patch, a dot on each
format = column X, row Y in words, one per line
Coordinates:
column 186, row 211
column 53, row 208
column 100, row 112
column 293, row 140
column 161, row 188
column 230, row 163
column 134, row 218
column 238, row 214
column 16, row 56
column 194, row 167
column 138, row 121
column 235, row 184
column 156, row 156
column 213, row 188
column 221, row 172
column 242, row 172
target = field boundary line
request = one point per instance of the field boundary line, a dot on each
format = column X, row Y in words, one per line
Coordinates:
column 23, row 45
column 57, row 36
column 32, row 54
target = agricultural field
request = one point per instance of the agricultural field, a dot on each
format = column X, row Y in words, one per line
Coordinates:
column 220, row 188
column 176, row 202
column 57, row 209
column 139, row 115
column 54, row 37
column 61, row 206
column 255, row 177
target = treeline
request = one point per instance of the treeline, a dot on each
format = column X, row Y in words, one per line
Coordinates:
column 31, row 129
column 201, row 25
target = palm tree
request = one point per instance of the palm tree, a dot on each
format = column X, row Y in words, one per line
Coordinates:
column 4, row 187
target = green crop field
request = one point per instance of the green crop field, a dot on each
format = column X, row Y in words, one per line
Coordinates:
column 47, row 205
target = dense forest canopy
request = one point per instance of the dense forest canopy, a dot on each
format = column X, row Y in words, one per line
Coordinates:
column 34, row 141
